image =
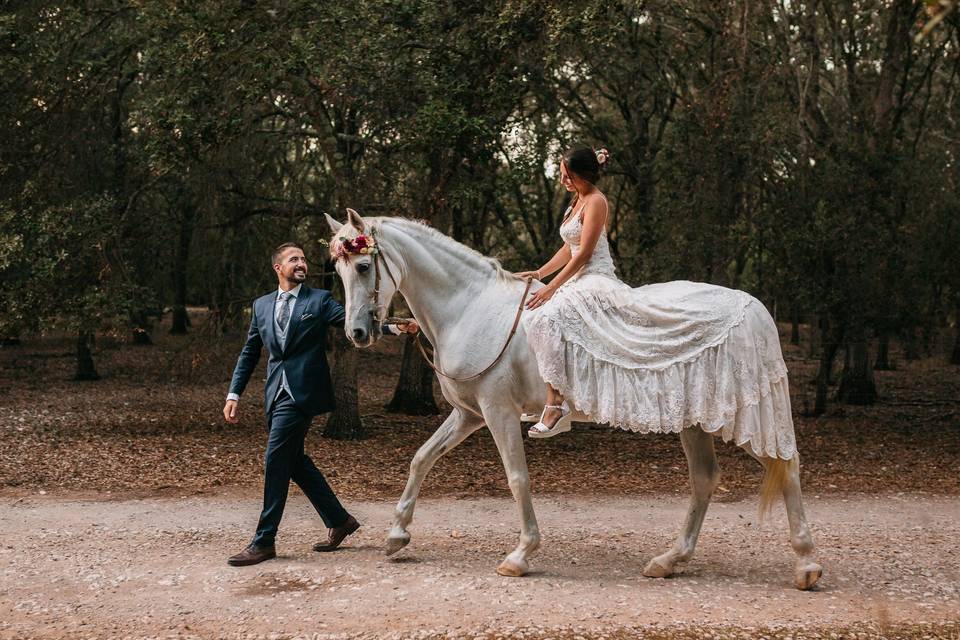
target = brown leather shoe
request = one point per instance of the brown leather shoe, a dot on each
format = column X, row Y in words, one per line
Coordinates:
column 253, row 554
column 336, row 535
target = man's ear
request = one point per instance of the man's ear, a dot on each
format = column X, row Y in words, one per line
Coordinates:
column 334, row 225
column 355, row 220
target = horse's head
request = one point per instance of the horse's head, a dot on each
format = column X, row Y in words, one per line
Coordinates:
column 368, row 282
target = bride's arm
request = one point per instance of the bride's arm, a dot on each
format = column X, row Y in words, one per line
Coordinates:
column 560, row 258
column 594, row 217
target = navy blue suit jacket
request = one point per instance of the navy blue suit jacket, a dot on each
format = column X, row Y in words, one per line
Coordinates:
column 303, row 357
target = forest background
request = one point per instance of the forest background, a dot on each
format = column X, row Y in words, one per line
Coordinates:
column 153, row 153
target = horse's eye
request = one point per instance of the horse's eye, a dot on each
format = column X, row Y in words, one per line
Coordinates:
column 363, row 267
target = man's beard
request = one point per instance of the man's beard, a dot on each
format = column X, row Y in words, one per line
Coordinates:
column 298, row 275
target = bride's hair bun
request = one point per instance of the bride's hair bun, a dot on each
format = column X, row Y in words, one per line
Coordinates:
column 602, row 156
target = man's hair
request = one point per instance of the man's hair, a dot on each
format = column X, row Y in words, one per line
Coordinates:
column 283, row 247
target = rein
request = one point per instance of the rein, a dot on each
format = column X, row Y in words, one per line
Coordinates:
column 427, row 358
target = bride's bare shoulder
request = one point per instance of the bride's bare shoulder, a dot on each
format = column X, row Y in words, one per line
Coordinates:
column 596, row 201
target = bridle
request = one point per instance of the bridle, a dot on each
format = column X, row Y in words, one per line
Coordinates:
column 378, row 257
column 375, row 296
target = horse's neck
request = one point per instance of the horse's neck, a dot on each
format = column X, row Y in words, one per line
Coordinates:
column 440, row 282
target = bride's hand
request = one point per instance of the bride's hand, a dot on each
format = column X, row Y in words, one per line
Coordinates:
column 540, row 297
column 528, row 274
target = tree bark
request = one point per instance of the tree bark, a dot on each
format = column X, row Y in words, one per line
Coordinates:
column 910, row 345
column 795, row 326
column 180, row 267
column 816, row 336
column 955, row 356
column 344, row 422
column 927, row 333
column 856, row 384
column 413, row 395
column 883, row 352
column 828, row 351
column 85, row 367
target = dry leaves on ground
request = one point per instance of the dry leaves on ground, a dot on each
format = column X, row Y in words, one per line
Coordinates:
column 153, row 424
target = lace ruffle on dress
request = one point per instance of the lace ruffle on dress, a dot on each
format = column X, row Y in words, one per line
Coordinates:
column 663, row 357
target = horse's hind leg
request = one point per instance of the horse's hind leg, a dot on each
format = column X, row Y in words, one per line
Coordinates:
column 787, row 479
column 504, row 425
column 452, row 432
column 704, row 477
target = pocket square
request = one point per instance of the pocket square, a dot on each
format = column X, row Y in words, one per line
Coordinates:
column 305, row 316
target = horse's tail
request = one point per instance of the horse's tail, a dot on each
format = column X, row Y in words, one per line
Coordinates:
column 775, row 478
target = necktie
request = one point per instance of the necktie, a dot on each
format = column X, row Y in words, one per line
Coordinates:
column 284, row 310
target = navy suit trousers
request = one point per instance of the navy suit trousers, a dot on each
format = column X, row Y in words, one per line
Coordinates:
column 285, row 460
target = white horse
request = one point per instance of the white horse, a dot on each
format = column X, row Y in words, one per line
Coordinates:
column 465, row 304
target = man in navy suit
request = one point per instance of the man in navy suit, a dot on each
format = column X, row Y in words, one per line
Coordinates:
column 292, row 323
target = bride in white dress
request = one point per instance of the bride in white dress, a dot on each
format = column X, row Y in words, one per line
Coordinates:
column 657, row 358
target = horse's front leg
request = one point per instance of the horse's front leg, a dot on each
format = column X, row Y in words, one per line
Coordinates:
column 452, row 432
column 504, row 424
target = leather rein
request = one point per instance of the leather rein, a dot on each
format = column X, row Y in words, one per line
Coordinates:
column 378, row 257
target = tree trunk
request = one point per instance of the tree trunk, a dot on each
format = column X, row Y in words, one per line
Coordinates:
column 910, row 346
column 883, row 352
column 795, row 326
column 927, row 333
column 955, row 356
column 816, row 336
column 180, row 266
column 414, row 393
column 85, row 368
column 344, row 423
column 828, row 351
column 856, row 384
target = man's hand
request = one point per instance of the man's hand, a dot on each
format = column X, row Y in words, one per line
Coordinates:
column 230, row 412
column 408, row 327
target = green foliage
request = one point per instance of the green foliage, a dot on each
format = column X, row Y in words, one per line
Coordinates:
column 154, row 153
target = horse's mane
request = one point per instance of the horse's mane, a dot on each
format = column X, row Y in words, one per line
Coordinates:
column 447, row 242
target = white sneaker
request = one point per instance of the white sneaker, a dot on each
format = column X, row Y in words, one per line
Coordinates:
column 562, row 424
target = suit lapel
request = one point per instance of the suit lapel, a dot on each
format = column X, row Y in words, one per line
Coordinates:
column 272, row 323
column 294, row 322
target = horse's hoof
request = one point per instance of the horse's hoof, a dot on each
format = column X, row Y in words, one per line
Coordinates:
column 807, row 576
column 656, row 570
column 396, row 542
column 511, row 569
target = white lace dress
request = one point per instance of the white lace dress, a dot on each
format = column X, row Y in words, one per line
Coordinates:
column 663, row 357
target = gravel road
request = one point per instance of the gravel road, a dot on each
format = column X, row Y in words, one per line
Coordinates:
column 92, row 566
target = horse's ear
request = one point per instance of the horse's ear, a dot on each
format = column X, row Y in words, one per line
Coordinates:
column 333, row 223
column 354, row 219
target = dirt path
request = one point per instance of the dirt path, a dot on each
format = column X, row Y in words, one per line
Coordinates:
column 156, row 567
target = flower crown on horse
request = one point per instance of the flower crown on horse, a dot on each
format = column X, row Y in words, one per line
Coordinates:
column 361, row 244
